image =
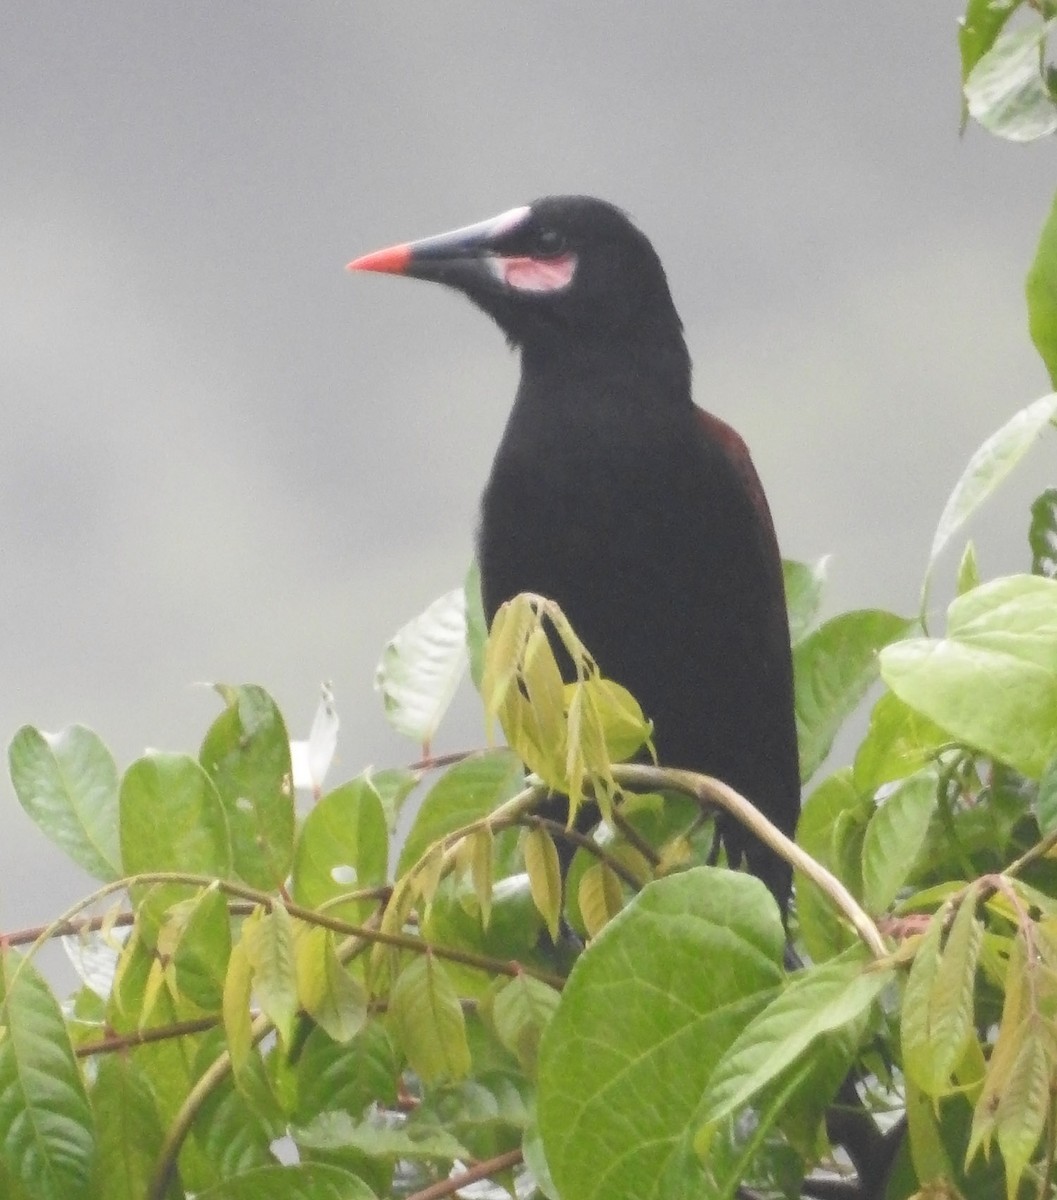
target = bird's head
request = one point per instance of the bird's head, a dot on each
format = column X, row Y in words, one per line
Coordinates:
column 562, row 267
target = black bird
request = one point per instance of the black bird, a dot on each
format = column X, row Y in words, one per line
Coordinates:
column 612, row 494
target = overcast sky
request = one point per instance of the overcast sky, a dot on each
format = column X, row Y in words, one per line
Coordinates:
column 223, row 458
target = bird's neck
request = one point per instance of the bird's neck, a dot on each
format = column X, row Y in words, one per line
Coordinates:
column 640, row 374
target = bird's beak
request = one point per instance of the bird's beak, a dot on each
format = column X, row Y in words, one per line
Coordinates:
column 461, row 257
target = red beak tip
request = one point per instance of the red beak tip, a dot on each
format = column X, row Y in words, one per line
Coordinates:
column 392, row 261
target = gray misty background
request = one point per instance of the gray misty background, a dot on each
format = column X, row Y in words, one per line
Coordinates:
column 223, row 458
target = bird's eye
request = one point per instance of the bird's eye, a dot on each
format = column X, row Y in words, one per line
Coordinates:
column 548, row 243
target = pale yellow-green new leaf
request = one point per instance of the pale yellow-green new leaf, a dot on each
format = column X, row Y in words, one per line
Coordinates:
column 427, row 1020
column 238, row 986
column 328, row 993
column 600, row 897
column 269, row 942
column 544, row 872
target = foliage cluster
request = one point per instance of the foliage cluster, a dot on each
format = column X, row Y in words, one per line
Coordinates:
column 272, row 1007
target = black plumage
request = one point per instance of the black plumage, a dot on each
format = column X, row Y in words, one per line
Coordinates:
column 611, row 493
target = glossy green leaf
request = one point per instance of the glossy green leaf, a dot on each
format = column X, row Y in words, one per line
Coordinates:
column 349, row 1078
column 200, row 956
column 834, row 666
column 816, row 1003
column 894, row 839
column 1042, row 534
column 172, row 818
column 428, row 1022
column 68, row 783
column 247, row 755
column 643, row 1020
column 342, row 846
column 47, row 1140
column 977, row 30
column 992, row 681
column 422, row 665
column 305, row 1181
column 804, row 584
column 1006, row 91
column 985, row 470
column 466, row 792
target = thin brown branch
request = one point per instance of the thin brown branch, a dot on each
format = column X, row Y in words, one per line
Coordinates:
column 143, row 1037
column 482, row 1170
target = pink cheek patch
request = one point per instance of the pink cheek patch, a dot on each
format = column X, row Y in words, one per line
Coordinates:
column 537, row 274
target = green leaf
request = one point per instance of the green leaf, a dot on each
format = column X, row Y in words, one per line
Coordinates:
column 968, row 570
column 328, row 993
column 520, row 1009
column 468, row 791
column 1046, row 804
column 977, row 30
column 1042, row 534
column 898, row 742
column 600, row 897
column 544, row 872
column 347, row 1078
column 269, row 941
column 476, row 625
column 993, row 680
column 985, row 470
column 130, row 1130
column 1025, row 1101
column 238, row 989
column 247, row 755
column 342, row 846
column 643, row 1020
column 834, row 666
column 1006, row 90
column 894, row 839
column 1041, row 291
column 831, row 827
column 305, row 1181
column 817, row 1002
column 238, row 1120
column 377, row 1137
column 937, row 1011
column 421, row 667
column 67, row 782
column 172, row 818
column 200, row 957
column 488, row 1114
column 427, row 1019
column 804, row 583
column 47, row 1141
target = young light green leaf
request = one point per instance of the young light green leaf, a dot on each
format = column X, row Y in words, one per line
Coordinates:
column 1041, row 290
column 269, row 942
column 818, row 1002
column 834, row 666
column 937, row 1012
column 422, row 665
column 804, row 583
column 47, row 1139
column 246, row 753
column 238, row 988
column 894, row 839
column 968, row 575
column 327, row 992
column 1026, row 1101
column 646, row 1013
column 544, row 872
column 1042, row 534
column 985, row 470
column 993, row 680
column 172, row 818
column 520, row 1010
column 427, row 1020
column 600, row 897
column 1006, row 90
column 67, row 782
column 200, row 955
